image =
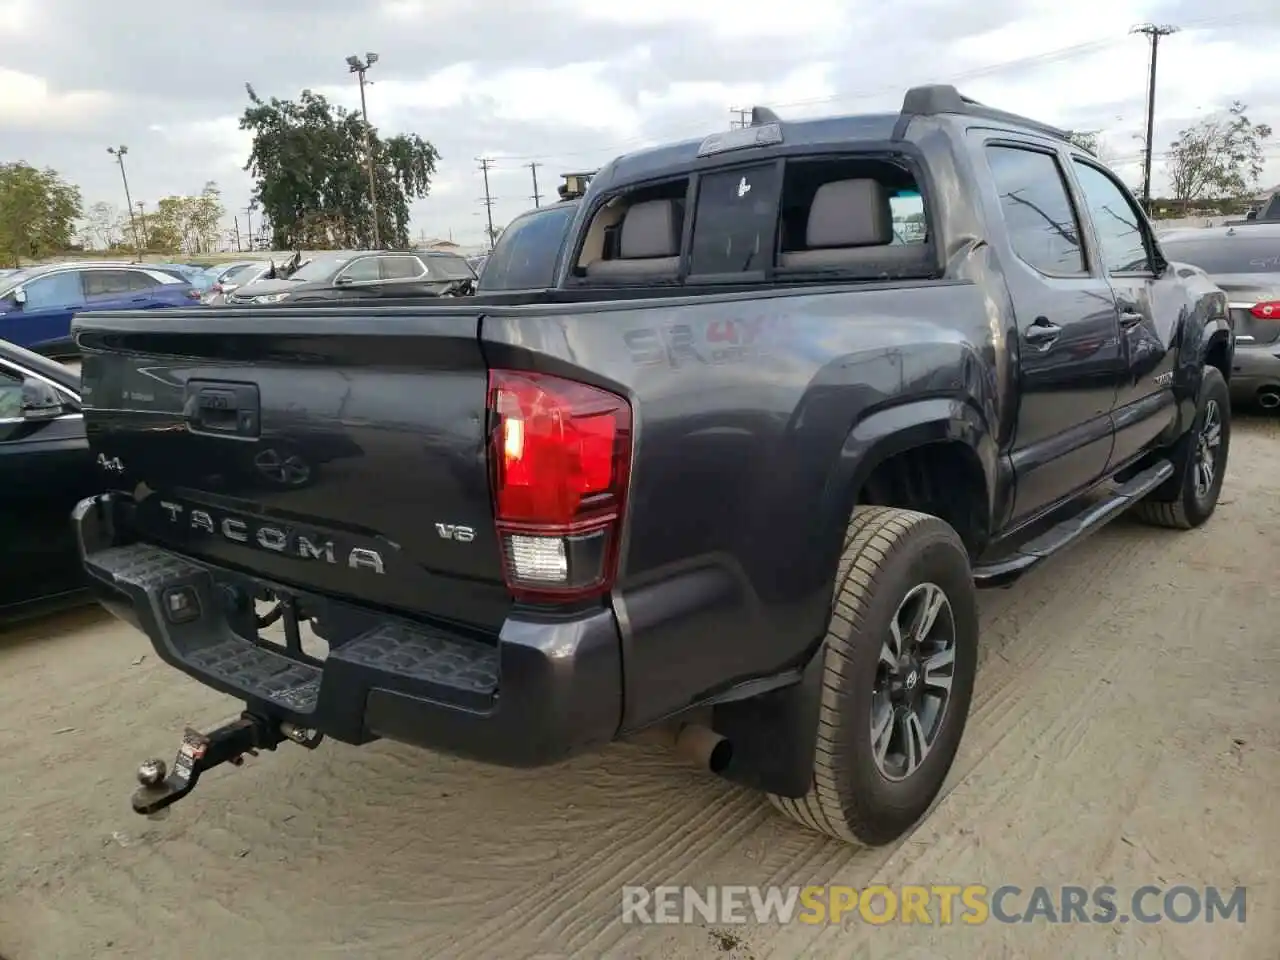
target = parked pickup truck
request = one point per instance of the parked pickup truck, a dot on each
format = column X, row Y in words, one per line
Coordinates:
column 731, row 482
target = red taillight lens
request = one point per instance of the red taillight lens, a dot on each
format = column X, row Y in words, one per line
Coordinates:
column 1267, row 310
column 193, row 294
column 216, row 288
column 560, row 459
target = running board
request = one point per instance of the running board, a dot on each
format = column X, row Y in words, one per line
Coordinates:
column 1004, row 571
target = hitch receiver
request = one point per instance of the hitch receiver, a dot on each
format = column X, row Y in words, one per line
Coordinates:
column 198, row 752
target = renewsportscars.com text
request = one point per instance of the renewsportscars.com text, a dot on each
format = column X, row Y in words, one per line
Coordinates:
column 938, row 904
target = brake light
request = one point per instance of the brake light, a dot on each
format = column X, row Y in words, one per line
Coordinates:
column 1267, row 310
column 193, row 294
column 560, row 460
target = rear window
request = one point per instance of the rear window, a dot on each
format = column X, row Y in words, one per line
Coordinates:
column 1237, row 254
column 526, row 253
column 448, row 268
column 736, row 216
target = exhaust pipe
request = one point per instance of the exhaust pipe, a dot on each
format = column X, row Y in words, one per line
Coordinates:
column 695, row 742
column 1269, row 398
column 704, row 747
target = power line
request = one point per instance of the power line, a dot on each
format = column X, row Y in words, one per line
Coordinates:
column 487, row 200
column 1046, row 57
column 533, row 169
column 1154, row 32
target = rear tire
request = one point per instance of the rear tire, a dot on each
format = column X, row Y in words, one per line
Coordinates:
column 1190, row 497
column 896, row 565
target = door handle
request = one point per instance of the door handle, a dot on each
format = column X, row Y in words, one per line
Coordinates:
column 1130, row 318
column 1042, row 332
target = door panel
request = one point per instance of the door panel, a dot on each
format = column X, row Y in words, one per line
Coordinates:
column 1069, row 352
column 1150, row 309
column 51, row 301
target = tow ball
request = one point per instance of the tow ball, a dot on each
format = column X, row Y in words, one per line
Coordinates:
column 161, row 787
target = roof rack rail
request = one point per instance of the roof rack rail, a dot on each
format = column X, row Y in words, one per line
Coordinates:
column 936, row 98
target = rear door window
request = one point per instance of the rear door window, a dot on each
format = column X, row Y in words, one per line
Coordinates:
column 106, row 283
column 1042, row 224
column 400, row 268
column 736, row 220
column 141, row 281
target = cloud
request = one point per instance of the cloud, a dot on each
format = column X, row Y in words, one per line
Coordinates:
column 568, row 84
column 29, row 103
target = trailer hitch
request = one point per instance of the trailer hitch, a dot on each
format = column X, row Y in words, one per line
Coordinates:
column 198, row 752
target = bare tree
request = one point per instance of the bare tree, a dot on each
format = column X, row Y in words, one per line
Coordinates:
column 1219, row 157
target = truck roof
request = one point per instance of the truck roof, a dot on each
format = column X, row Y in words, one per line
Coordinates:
column 816, row 134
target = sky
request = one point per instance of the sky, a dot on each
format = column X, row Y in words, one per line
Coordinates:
column 569, row 84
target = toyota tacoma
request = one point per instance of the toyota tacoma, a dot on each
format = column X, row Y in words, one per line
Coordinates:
column 797, row 391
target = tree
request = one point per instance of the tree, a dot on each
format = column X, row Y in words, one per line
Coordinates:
column 186, row 223
column 102, row 225
column 308, row 159
column 1220, row 157
column 38, row 212
column 1086, row 140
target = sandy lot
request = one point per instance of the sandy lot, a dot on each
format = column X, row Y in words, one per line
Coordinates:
column 1126, row 730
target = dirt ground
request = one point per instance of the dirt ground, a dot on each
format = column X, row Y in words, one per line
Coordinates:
column 1126, row 730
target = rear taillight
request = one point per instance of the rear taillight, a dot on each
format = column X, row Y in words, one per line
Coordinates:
column 216, row 288
column 193, row 294
column 1267, row 310
column 560, row 459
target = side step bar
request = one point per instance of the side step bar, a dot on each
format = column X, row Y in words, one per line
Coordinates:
column 1004, row 571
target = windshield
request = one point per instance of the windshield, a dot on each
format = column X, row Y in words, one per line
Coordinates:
column 526, row 254
column 321, row 268
column 1238, row 254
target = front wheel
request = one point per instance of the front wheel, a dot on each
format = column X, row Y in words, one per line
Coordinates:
column 900, row 655
column 1199, row 462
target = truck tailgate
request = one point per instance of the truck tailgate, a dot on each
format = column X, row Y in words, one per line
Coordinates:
column 342, row 453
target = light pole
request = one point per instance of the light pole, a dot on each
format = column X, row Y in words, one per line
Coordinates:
column 118, row 153
column 359, row 68
column 142, row 219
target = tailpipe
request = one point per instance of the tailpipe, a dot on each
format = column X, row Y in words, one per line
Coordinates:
column 1269, row 398
column 703, row 747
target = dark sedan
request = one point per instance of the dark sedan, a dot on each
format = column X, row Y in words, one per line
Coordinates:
column 1245, row 263
column 353, row 275
column 45, row 469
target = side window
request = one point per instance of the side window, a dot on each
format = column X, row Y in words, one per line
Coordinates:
column 100, row 283
column 733, row 227
column 141, row 281
column 59, row 290
column 1121, row 235
column 362, row 270
column 400, row 268
column 1042, row 224
column 10, row 396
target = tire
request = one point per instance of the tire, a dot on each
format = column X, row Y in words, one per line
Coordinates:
column 1185, row 502
column 892, row 561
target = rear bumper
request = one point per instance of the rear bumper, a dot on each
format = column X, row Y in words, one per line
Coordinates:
column 1254, row 367
column 541, row 693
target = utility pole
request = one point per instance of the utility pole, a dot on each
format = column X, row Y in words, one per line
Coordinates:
column 1154, row 32
column 248, row 212
column 236, row 221
column 118, row 153
column 359, row 68
column 537, row 197
column 142, row 222
column 743, row 118
column 485, row 164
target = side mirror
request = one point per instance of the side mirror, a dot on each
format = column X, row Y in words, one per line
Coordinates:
column 40, row 402
column 343, row 282
column 20, row 297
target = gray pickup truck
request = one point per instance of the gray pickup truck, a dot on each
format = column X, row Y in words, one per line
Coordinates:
column 732, row 480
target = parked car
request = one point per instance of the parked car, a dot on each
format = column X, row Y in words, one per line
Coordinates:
column 46, row 467
column 1246, row 264
column 228, row 277
column 37, row 304
column 734, row 479
column 362, row 274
